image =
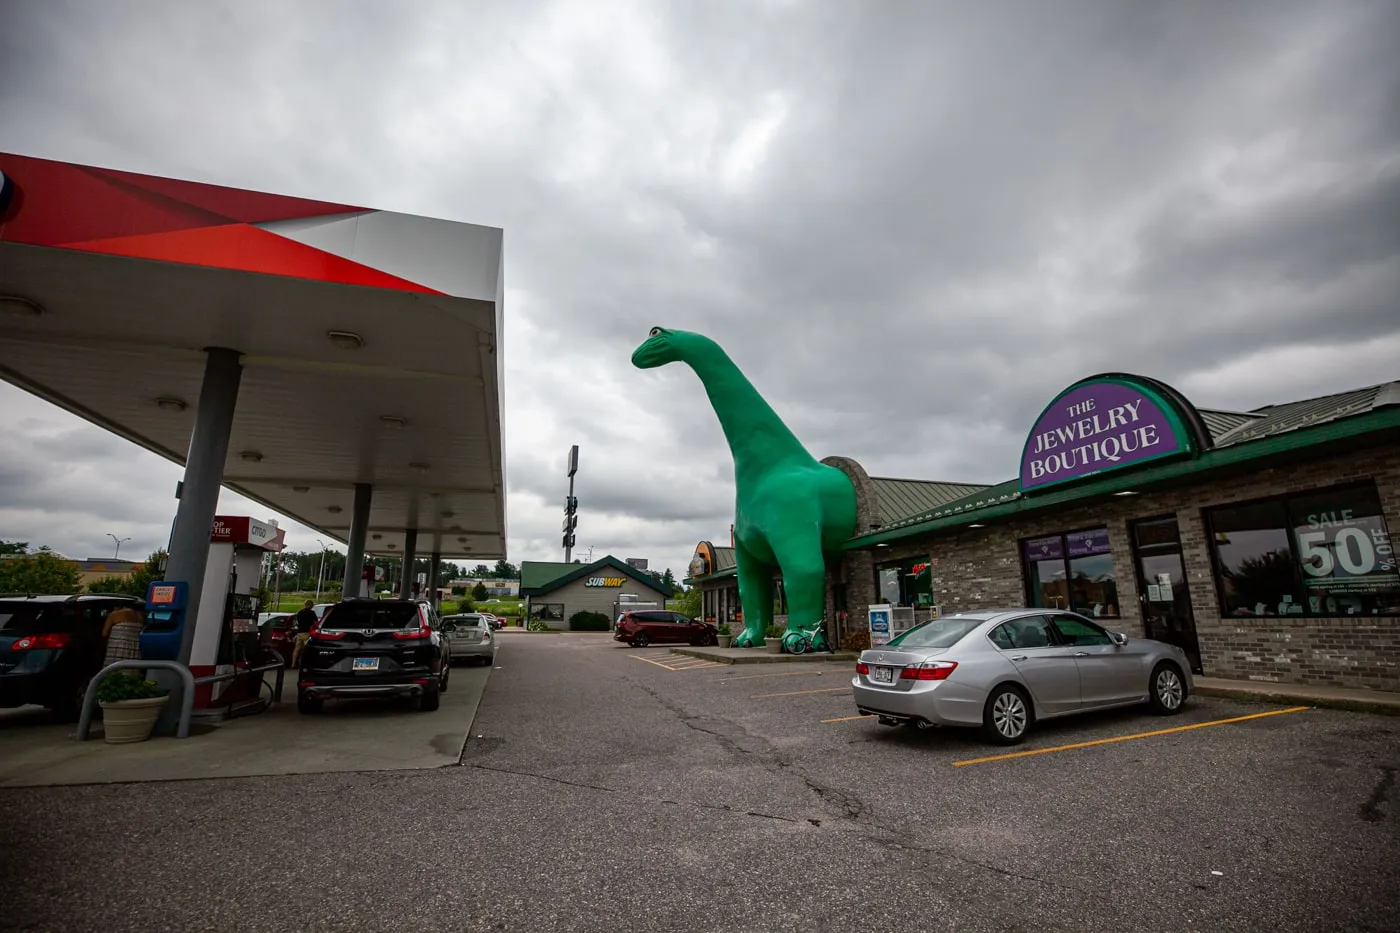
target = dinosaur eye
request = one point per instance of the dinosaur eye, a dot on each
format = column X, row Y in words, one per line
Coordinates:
column 654, row 332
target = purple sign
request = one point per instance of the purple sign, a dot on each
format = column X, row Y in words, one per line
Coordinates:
column 1096, row 427
column 1084, row 543
column 1044, row 549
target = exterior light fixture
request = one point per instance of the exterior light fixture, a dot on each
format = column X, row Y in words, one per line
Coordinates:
column 333, row 509
column 882, row 544
column 392, row 545
column 345, row 339
column 1126, row 492
column 171, row 403
column 301, row 489
column 394, row 421
column 448, row 513
column 977, row 525
column 251, row 456
column 462, row 538
column 418, row 467
column 376, row 536
column 20, row 307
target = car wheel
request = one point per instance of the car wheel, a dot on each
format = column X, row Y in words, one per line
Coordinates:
column 1167, row 691
column 640, row 640
column 308, row 705
column 1006, row 716
column 429, row 699
column 446, row 676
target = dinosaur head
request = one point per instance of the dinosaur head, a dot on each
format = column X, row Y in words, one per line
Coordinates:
column 662, row 346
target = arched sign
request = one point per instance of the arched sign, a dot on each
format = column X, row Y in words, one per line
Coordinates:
column 703, row 563
column 1107, row 423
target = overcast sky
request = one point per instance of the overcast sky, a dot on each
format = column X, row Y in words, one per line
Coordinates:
column 911, row 223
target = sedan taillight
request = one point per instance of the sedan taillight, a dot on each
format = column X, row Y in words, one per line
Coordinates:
column 929, row 670
column 48, row 641
column 862, row 668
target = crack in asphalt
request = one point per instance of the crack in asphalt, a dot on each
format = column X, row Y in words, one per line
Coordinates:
column 1370, row 811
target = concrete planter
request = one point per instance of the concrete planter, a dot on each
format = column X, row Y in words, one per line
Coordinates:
column 773, row 645
column 125, row 721
column 725, row 641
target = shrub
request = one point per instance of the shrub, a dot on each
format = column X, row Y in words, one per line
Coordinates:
column 724, row 629
column 122, row 686
column 588, row 621
column 775, row 631
column 537, row 625
column 479, row 592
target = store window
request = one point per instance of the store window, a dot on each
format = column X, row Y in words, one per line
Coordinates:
column 1072, row 571
column 907, row 583
column 1324, row 553
column 547, row 612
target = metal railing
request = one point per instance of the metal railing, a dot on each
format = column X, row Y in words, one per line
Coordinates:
column 187, row 681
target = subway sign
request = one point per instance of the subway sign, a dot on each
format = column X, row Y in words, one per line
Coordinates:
column 604, row 581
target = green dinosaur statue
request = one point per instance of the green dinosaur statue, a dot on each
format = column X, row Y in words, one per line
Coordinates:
column 790, row 510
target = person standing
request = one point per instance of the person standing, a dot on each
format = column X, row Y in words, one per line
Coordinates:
column 305, row 619
column 122, row 630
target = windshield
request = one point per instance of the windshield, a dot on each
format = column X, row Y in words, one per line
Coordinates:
column 936, row 633
column 27, row 618
column 371, row 615
column 471, row 621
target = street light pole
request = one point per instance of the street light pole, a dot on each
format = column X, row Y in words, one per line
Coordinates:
column 119, row 544
column 320, row 573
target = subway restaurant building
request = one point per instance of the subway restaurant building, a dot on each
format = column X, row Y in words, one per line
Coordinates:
column 1259, row 541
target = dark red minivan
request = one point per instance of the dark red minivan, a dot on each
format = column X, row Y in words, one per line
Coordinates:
column 655, row 626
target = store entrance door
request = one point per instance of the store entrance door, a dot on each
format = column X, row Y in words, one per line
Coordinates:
column 1162, row 590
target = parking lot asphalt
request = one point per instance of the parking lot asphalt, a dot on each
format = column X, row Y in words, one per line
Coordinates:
column 600, row 791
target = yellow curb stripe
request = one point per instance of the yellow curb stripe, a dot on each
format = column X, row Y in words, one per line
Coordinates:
column 798, row 693
column 1125, row 738
column 848, row 718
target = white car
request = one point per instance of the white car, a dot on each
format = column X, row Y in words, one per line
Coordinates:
column 470, row 636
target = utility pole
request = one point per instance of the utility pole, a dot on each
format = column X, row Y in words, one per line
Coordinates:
column 119, row 541
column 320, row 573
column 570, row 506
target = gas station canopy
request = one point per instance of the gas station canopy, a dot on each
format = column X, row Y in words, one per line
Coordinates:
column 369, row 341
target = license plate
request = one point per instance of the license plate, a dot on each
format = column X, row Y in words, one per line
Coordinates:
column 882, row 675
column 365, row 664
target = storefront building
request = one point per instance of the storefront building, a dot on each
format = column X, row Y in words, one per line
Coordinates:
column 554, row 591
column 1260, row 541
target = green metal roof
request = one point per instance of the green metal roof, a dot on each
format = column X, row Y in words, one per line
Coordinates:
column 537, row 573
column 578, row 571
column 901, row 498
column 1265, row 432
column 1221, row 423
column 724, row 565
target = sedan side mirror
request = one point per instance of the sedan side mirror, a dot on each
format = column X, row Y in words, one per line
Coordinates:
column 1118, row 638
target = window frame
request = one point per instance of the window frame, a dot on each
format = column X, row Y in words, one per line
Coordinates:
column 1029, row 586
column 1283, row 500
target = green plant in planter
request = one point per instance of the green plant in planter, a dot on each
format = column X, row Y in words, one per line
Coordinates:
column 724, row 629
column 775, row 631
column 118, row 686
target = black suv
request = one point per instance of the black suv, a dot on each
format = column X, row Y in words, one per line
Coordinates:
column 375, row 647
column 51, row 646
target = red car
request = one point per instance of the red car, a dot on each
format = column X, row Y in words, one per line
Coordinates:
column 654, row 626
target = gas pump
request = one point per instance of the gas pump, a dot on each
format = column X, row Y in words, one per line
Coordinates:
column 225, row 629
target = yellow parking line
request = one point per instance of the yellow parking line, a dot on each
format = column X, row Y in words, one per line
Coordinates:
column 798, row 693
column 687, row 662
column 846, row 670
column 1124, row 738
column 638, row 657
column 848, row 718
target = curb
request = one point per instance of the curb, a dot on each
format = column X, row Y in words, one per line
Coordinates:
column 1355, row 705
column 762, row 657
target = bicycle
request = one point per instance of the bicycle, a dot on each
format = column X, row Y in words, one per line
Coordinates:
column 801, row 641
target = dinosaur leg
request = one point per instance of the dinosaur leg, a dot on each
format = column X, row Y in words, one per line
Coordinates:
column 804, row 577
column 756, row 596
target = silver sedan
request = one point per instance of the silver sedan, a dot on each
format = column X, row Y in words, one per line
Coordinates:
column 1005, row 669
column 470, row 637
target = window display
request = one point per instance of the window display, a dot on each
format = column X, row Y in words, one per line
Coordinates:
column 1072, row 571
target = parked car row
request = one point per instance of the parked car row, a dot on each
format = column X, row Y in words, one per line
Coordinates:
column 1005, row 670
column 50, row 648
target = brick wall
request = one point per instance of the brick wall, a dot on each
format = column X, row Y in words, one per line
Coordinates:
column 981, row 568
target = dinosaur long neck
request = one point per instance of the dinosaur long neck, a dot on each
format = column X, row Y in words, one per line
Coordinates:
column 757, row 437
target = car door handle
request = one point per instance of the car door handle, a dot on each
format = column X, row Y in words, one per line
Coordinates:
column 1019, row 657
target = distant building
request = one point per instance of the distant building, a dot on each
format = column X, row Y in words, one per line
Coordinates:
column 495, row 588
column 555, row 591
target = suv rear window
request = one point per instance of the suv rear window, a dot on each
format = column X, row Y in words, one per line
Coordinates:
column 371, row 615
column 25, row 618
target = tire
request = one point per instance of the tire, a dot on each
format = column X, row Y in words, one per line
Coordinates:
column 446, row 676
column 1006, row 716
column 640, row 640
column 1166, row 691
column 308, row 705
column 798, row 645
column 429, row 700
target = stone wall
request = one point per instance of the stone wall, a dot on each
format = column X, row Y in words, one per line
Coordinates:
column 981, row 568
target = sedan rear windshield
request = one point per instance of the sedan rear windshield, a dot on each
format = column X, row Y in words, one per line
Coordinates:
column 472, row 621
column 371, row 615
column 936, row 633
column 18, row 618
